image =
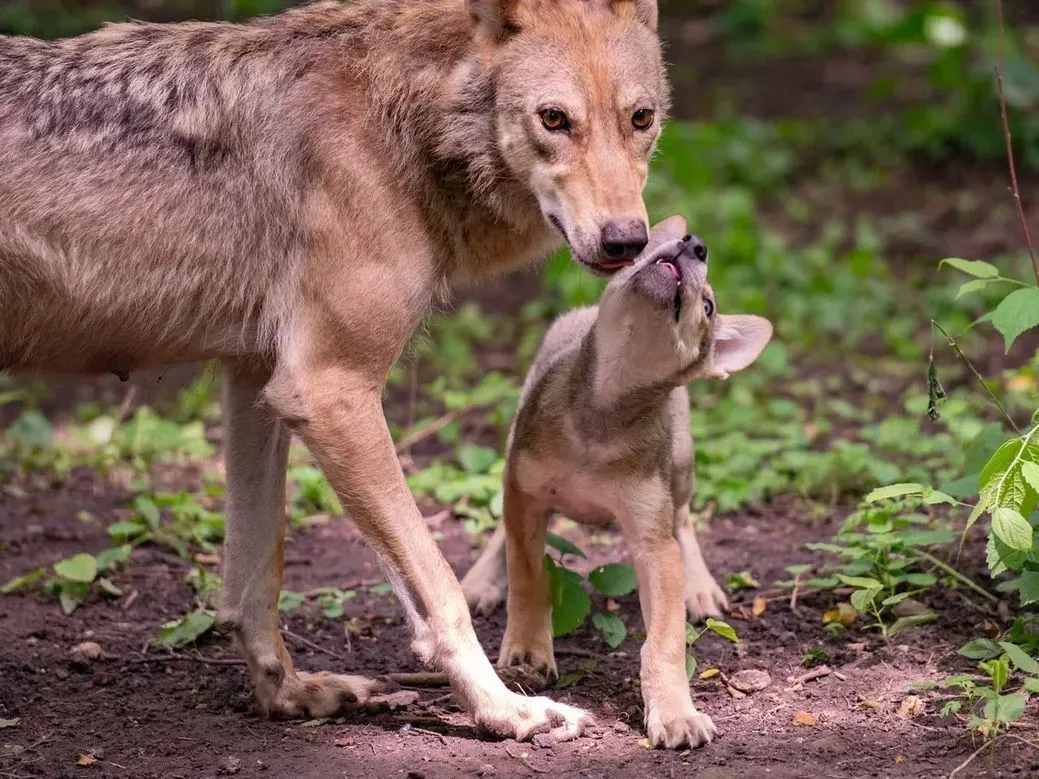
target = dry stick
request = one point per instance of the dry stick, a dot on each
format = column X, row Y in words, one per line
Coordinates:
column 793, row 595
column 182, row 658
column 1015, row 189
column 973, row 755
column 981, row 379
column 421, row 679
column 316, row 647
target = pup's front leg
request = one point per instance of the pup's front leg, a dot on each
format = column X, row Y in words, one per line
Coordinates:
column 486, row 582
column 257, row 446
column 671, row 718
column 528, row 632
column 337, row 410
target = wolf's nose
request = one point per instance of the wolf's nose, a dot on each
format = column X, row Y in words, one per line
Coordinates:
column 624, row 239
column 695, row 246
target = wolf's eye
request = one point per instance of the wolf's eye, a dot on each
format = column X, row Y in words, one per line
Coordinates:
column 708, row 306
column 554, row 120
column 643, row 119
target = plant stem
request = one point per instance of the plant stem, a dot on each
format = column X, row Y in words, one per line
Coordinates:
column 1014, row 188
column 977, row 375
column 958, row 576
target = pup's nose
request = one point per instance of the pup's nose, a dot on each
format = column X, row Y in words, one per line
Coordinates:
column 695, row 246
column 624, row 239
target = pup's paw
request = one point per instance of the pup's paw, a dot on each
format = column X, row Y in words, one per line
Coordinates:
column 690, row 728
column 529, row 647
column 704, row 598
column 523, row 718
column 320, row 694
column 484, row 589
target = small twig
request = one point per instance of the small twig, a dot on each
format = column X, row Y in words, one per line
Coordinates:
column 182, row 658
column 420, row 679
column 433, row 733
column 973, row 755
column 526, row 762
column 811, row 676
column 574, row 652
column 793, row 595
column 1015, row 190
column 438, row 700
column 959, row 576
column 977, row 375
column 124, row 407
column 433, row 428
column 308, row 643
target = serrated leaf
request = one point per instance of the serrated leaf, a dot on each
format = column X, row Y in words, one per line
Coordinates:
column 972, row 286
column 562, row 546
column 1018, row 312
column 1020, row 658
column 862, row 599
column 1006, row 708
column 862, row 582
column 612, row 627
column 78, row 568
column 1012, row 529
column 186, row 630
column 615, row 580
column 894, row 491
column 977, row 268
column 1031, row 473
column 1029, row 587
column 723, row 629
column 980, row 649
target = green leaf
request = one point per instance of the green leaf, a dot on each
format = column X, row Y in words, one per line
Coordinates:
column 863, row 599
column 1032, row 684
column 903, row 623
column 79, row 568
column 922, row 579
column 476, row 459
column 862, row 582
column 612, row 627
column 690, row 666
column 723, row 629
column 111, row 557
column 382, row 588
column 937, row 497
column 977, row 268
column 22, row 581
column 186, row 630
column 562, row 546
column 1031, row 473
column 972, row 286
column 894, row 491
column 614, row 580
column 127, row 530
column 1018, row 312
column 1006, row 708
column 1020, row 658
column 570, row 603
column 1029, row 587
column 290, row 601
column 1012, row 529
column 148, row 511
column 980, row 649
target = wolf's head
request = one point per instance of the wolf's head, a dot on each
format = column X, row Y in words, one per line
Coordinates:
column 658, row 322
column 581, row 98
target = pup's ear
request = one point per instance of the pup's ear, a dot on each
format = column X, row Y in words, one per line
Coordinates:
column 738, row 341
column 496, row 19
column 645, row 11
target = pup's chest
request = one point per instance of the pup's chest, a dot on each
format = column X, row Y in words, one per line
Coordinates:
column 581, row 491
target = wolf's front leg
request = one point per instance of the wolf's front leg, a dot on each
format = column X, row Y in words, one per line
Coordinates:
column 671, row 718
column 338, row 412
column 257, row 447
column 703, row 597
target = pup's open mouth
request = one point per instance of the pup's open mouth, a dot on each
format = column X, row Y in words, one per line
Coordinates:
column 673, row 266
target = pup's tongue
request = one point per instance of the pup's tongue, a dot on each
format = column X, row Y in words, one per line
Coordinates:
column 673, row 268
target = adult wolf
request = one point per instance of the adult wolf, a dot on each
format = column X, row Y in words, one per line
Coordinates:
column 288, row 196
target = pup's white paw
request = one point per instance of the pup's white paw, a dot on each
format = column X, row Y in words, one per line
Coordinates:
column 521, row 718
column 484, row 589
column 673, row 730
column 704, row 598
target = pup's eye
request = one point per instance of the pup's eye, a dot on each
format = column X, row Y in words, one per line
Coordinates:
column 554, row 120
column 708, row 306
column 643, row 119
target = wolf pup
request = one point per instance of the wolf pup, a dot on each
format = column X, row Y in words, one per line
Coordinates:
column 288, row 196
column 602, row 433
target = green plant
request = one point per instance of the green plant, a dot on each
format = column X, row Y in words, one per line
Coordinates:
column 74, row 577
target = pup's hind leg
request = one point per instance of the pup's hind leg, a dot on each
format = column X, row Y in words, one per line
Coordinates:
column 528, row 633
column 485, row 584
column 257, row 453
column 703, row 597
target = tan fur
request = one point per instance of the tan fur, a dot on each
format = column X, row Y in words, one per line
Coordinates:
column 288, row 196
column 602, row 433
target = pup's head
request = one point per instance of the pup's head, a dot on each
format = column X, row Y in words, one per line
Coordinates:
column 581, row 94
column 659, row 316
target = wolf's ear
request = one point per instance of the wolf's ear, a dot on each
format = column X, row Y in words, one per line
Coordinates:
column 645, row 11
column 738, row 340
column 494, row 18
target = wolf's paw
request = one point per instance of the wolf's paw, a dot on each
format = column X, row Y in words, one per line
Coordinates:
column 523, row 718
column 673, row 730
column 317, row 695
